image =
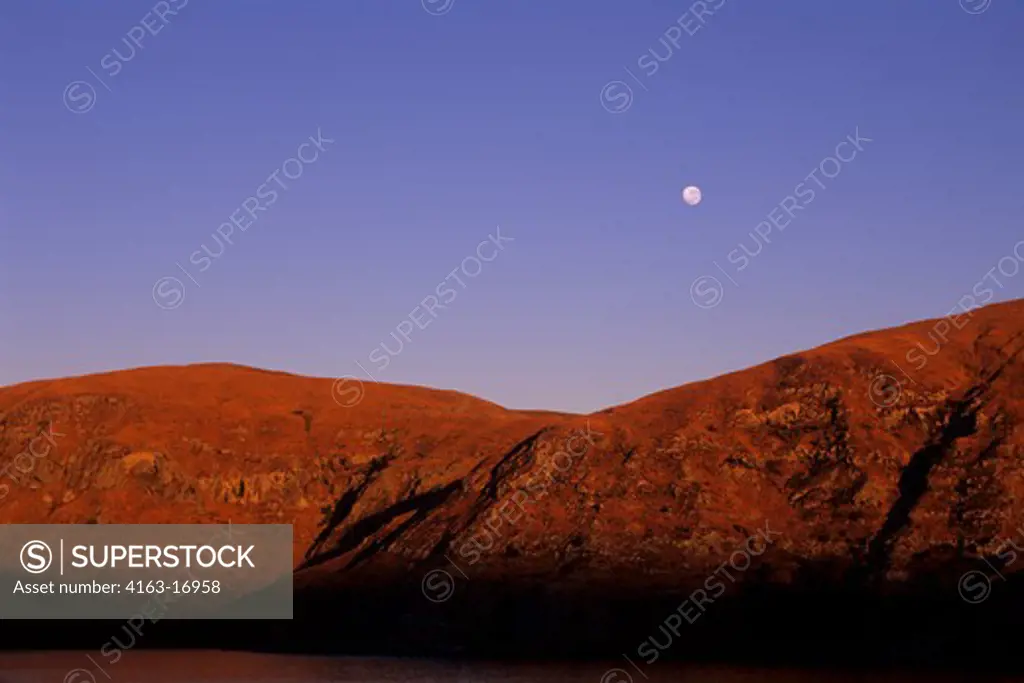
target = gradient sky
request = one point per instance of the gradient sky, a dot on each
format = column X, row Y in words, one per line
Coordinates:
column 448, row 125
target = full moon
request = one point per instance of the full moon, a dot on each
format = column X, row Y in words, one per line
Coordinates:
column 691, row 195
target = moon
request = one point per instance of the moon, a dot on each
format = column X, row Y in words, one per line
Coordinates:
column 691, row 195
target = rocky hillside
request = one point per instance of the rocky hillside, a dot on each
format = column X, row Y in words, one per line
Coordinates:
column 883, row 464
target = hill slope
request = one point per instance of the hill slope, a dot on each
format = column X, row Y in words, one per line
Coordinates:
column 882, row 464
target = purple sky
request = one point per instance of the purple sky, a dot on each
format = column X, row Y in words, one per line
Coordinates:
column 131, row 132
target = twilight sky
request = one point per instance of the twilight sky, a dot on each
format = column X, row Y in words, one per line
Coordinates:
column 435, row 122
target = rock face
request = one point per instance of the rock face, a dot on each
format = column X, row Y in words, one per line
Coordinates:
column 882, row 466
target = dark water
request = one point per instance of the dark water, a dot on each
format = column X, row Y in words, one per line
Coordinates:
column 228, row 667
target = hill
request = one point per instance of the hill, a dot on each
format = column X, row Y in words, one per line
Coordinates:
column 871, row 472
